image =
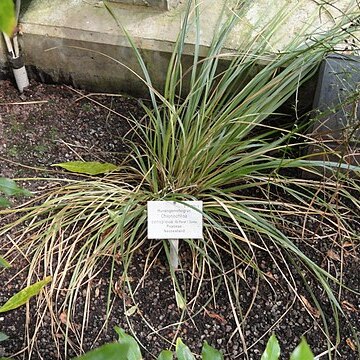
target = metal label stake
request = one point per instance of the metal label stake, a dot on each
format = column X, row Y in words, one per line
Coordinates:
column 174, row 253
column 172, row 221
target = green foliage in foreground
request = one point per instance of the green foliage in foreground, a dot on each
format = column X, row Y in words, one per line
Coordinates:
column 24, row 295
column 4, row 263
column 7, row 16
column 127, row 348
column 21, row 298
column 9, row 188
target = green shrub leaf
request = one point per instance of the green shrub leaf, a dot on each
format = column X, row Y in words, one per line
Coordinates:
column 4, row 263
column 272, row 351
column 302, row 352
column 165, row 355
column 9, row 188
column 182, row 351
column 3, row 336
column 88, row 167
column 7, row 16
column 113, row 351
column 209, row 353
column 24, row 295
column 133, row 352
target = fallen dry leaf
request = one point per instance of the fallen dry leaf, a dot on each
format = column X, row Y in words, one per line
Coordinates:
column 241, row 274
column 119, row 291
column 351, row 345
column 215, row 316
column 348, row 306
column 270, row 276
column 131, row 311
column 313, row 311
column 63, row 318
column 333, row 255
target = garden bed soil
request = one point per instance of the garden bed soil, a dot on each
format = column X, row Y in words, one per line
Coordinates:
column 50, row 124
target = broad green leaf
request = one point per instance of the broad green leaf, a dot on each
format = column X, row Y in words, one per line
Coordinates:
column 3, row 336
column 134, row 352
column 209, row 353
column 302, row 352
column 180, row 302
column 4, row 203
column 113, row 351
column 165, row 355
column 7, row 16
column 272, row 351
column 4, row 263
column 9, row 188
column 182, row 351
column 88, row 167
column 24, row 295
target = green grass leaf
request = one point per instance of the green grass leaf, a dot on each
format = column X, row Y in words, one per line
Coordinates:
column 165, row 355
column 272, row 351
column 209, row 353
column 7, row 16
column 182, row 351
column 24, row 295
column 130, row 343
column 302, row 352
column 88, row 167
column 4, row 263
column 10, row 188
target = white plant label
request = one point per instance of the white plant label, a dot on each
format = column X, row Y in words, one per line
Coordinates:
column 172, row 220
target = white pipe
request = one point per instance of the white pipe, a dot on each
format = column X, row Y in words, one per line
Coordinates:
column 21, row 78
column 9, row 45
column 16, row 46
column 174, row 253
column 16, row 62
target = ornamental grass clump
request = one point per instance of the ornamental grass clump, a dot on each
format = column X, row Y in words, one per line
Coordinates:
column 211, row 144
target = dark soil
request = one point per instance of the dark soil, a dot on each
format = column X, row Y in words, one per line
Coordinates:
column 51, row 124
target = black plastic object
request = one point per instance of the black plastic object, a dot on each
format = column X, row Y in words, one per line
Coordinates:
column 337, row 110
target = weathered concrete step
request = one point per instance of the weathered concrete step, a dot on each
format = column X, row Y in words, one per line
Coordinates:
column 161, row 4
column 56, row 34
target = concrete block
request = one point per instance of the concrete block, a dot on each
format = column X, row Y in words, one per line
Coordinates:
column 161, row 4
column 337, row 111
column 67, row 26
column 337, row 98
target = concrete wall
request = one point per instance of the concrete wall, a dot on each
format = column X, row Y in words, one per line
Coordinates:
column 161, row 4
column 57, row 32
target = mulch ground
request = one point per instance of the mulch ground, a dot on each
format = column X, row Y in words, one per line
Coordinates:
column 50, row 124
